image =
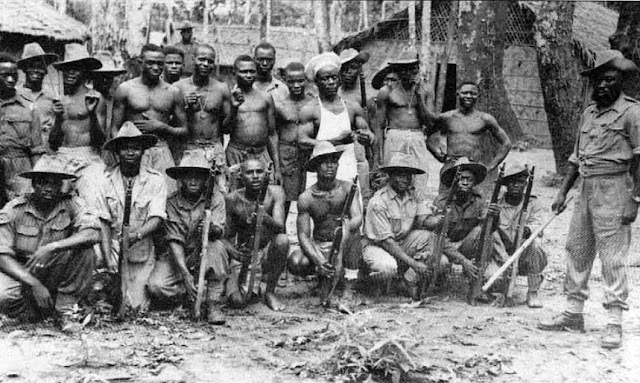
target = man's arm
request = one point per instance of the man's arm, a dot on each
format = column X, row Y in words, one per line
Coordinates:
column 379, row 120
column 433, row 138
column 177, row 250
column 119, row 104
column 276, row 221
column 303, row 226
column 272, row 145
column 364, row 135
column 179, row 115
column 501, row 137
column 355, row 212
column 97, row 119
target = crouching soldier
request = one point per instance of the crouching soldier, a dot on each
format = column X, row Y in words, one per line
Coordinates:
column 323, row 203
column 243, row 207
column 172, row 278
column 44, row 261
column 145, row 192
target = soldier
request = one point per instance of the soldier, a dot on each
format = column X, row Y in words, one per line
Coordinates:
column 241, row 230
column 148, row 195
column 265, row 57
column 34, row 64
column 173, row 276
column 43, row 266
column 20, row 138
column 323, row 204
column 606, row 158
column 207, row 104
column 188, row 47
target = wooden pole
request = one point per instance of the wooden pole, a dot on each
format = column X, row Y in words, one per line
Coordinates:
column 412, row 23
column 452, row 25
column 269, row 14
column 247, row 11
column 365, row 14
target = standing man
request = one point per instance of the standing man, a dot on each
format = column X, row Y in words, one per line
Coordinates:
column 265, row 58
column 606, row 157
column 42, row 234
column 323, row 204
column 20, row 134
column 34, row 64
column 241, row 230
column 287, row 110
column 251, row 123
column 207, row 104
column 402, row 114
column 173, row 64
column 188, row 47
column 466, row 130
column 148, row 200
column 172, row 279
column 150, row 103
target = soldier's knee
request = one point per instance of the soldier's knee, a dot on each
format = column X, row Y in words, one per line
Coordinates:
column 299, row 264
column 281, row 243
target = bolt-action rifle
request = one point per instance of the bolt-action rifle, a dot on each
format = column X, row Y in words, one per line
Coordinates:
column 123, row 266
column 257, row 238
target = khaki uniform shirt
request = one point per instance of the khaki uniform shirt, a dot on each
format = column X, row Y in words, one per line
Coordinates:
column 19, row 128
column 43, row 102
column 464, row 217
column 189, row 51
column 510, row 215
column 391, row 216
column 23, row 229
column 608, row 138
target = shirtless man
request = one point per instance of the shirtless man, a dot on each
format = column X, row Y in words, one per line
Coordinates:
column 250, row 123
column 466, row 130
column 401, row 114
column 173, row 64
column 323, row 203
column 241, row 228
column 265, row 58
column 78, row 131
column 150, row 103
column 207, row 102
column 287, row 109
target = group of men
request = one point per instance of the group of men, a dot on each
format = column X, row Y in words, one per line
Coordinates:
column 105, row 189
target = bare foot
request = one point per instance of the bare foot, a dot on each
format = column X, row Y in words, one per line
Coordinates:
column 273, row 302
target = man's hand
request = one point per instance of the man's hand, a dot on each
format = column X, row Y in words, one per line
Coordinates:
column 493, row 209
column 420, row 268
column 326, row 269
column 469, row 268
column 240, row 256
column 91, row 101
column 345, row 137
column 57, row 107
column 190, row 287
column 434, row 222
column 237, row 97
column 278, row 177
column 147, row 124
column 42, row 296
column 191, row 100
column 42, row 257
column 365, row 137
column 630, row 212
column 558, row 205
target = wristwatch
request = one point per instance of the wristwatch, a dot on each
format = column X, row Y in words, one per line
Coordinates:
column 636, row 198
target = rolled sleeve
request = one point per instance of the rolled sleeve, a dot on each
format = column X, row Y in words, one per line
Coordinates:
column 377, row 226
column 633, row 127
column 6, row 234
column 218, row 211
column 158, row 201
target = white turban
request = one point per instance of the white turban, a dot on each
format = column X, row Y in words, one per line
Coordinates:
column 324, row 60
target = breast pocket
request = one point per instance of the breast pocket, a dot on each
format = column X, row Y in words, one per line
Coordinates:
column 60, row 229
column 20, row 124
column 27, row 239
column 396, row 224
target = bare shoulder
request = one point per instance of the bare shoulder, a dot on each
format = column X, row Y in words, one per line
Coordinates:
column 304, row 200
column 276, row 191
column 310, row 110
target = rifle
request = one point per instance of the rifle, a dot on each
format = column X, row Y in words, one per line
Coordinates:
column 519, row 234
column 337, row 246
column 486, row 242
column 123, row 266
column 363, row 103
column 516, row 254
column 438, row 247
column 206, row 226
column 255, row 250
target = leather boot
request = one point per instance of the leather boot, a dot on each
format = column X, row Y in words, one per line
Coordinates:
column 612, row 337
column 214, row 295
column 565, row 321
column 533, row 301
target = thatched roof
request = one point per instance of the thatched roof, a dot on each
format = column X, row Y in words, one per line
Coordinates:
column 35, row 18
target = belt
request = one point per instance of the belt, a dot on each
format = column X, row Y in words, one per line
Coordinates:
column 13, row 152
column 248, row 149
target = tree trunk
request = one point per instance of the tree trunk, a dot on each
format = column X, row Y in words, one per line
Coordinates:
column 365, row 14
column 452, row 26
column 247, row 12
column 412, row 23
column 335, row 21
column 427, row 52
column 269, row 14
column 561, row 83
column 627, row 40
column 137, row 14
column 320, row 15
column 481, row 46
column 262, row 6
column 108, row 22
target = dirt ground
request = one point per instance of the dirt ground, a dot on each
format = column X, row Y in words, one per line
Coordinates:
column 441, row 340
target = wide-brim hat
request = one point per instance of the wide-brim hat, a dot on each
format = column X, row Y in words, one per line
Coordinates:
column 129, row 132
column 192, row 162
column 514, row 169
column 77, row 56
column 184, row 25
column 322, row 150
column 610, row 59
column 408, row 56
column 378, row 79
column 48, row 166
column 108, row 63
column 479, row 171
column 351, row 54
column 327, row 59
column 402, row 162
column 33, row 53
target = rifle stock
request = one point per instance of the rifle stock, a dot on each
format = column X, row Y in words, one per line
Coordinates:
column 487, row 242
column 204, row 249
column 257, row 238
column 124, row 254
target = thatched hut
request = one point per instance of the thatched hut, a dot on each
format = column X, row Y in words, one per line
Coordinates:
column 593, row 24
column 25, row 21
